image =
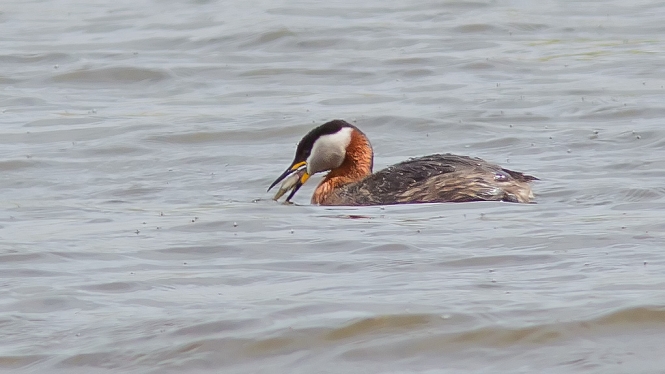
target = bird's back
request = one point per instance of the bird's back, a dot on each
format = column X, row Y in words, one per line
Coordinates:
column 434, row 179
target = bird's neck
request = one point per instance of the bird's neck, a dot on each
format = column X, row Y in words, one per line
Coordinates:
column 356, row 166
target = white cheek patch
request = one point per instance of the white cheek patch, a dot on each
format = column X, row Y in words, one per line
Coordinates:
column 329, row 151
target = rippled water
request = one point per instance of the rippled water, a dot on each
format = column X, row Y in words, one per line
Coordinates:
column 138, row 139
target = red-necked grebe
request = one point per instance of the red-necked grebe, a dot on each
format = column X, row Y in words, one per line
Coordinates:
column 345, row 151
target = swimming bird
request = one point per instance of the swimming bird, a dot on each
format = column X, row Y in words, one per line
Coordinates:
column 342, row 149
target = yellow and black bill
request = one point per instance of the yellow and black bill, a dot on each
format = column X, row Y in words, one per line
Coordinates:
column 294, row 181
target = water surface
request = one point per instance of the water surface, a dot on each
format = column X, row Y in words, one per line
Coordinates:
column 138, row 139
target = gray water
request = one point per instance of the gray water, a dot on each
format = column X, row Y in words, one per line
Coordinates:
column 138, row 138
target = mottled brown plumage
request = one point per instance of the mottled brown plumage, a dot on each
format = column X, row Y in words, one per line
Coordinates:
column 433, row 179
column 345, row 150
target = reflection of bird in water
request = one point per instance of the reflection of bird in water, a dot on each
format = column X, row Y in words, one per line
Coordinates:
column 346, row 152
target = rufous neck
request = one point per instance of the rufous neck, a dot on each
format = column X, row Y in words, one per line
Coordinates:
column 356, row 166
